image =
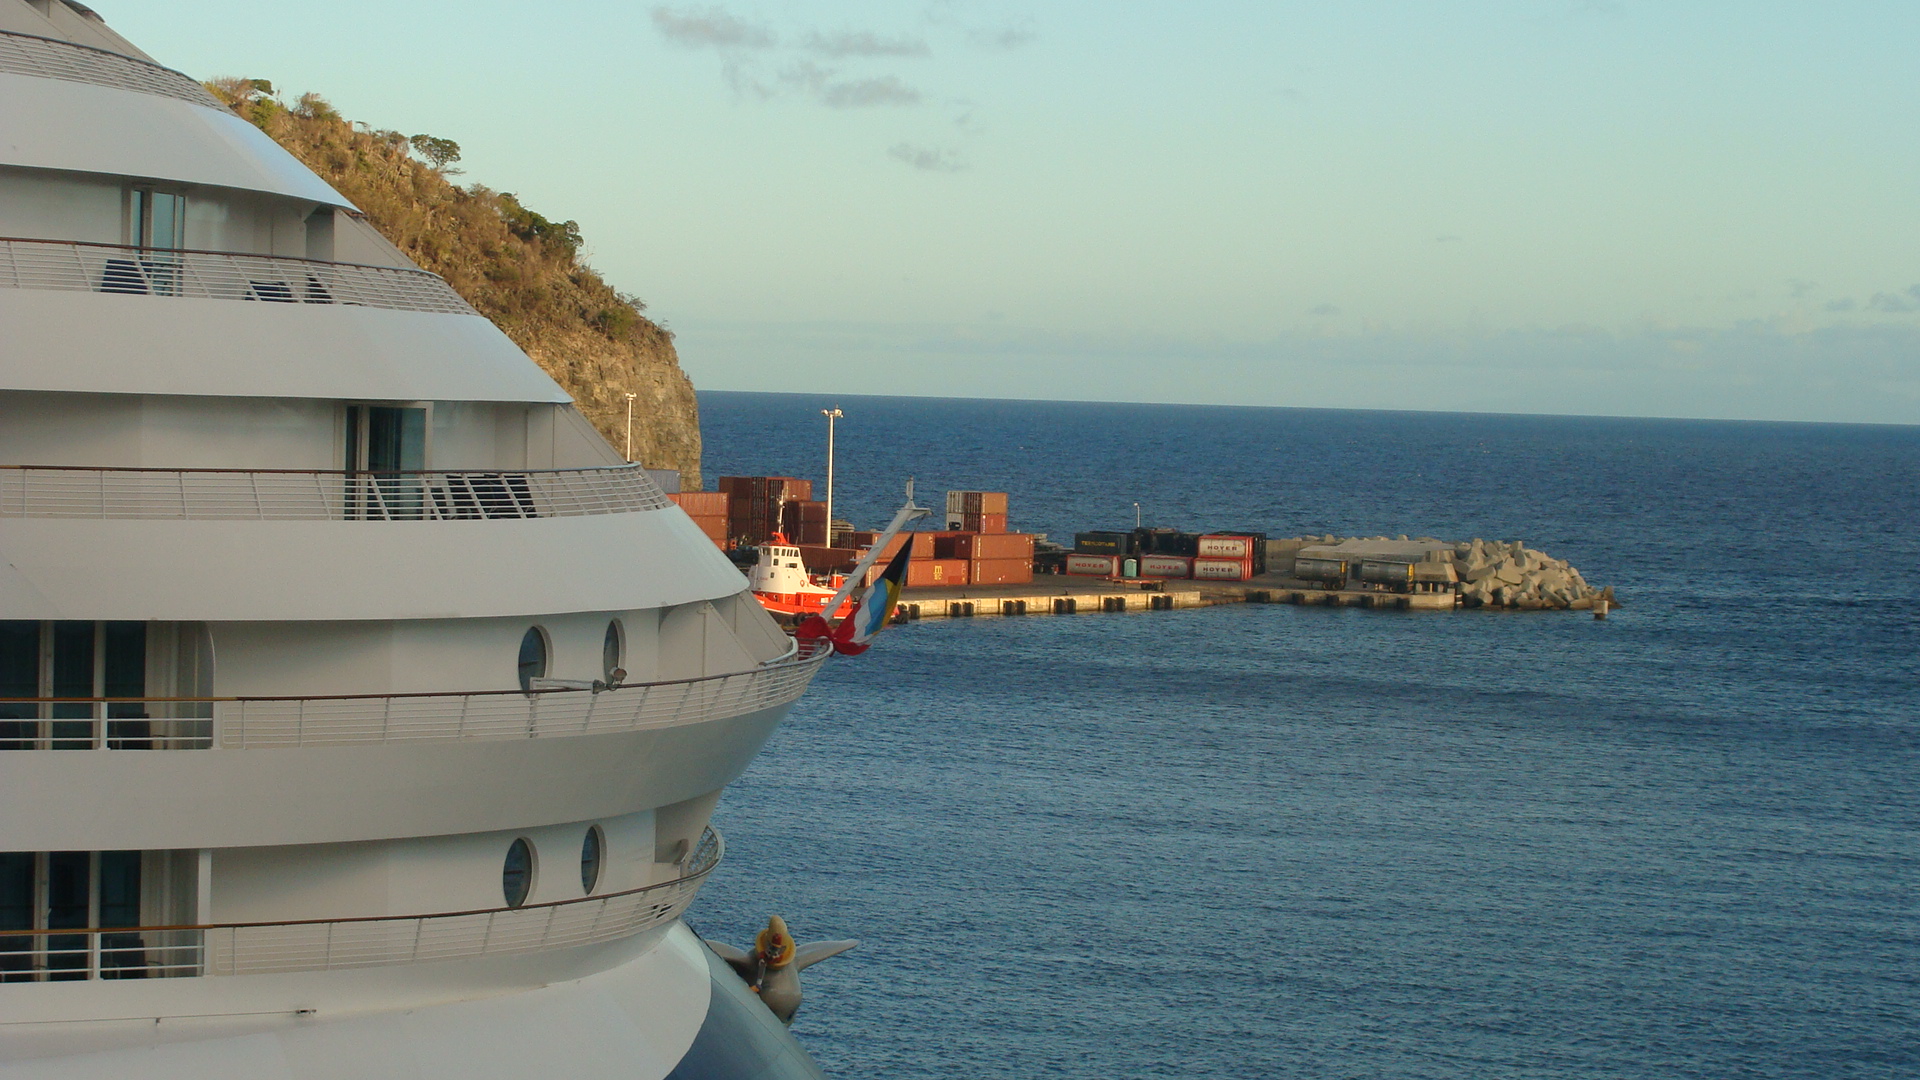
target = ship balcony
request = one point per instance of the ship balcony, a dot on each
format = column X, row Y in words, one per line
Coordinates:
column 49, row 58
column 257, row 948
column 75, row 266
column 256, row 723
column 48, row 491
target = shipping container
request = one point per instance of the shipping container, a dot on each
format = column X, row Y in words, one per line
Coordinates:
column 922, row 573
column 1225, row 546
column 1093, row 565
column 1166, row 566
column 984, row 523
column 1218, row 569
column 1000, row 572
column 1102, row 543
column 963, row 503
column 702, row 503
column 1328, row 570
column 985, row 546
column 1164, row 542
column 1397, row 575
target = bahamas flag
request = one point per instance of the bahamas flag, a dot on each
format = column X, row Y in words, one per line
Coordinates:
column 856, row 630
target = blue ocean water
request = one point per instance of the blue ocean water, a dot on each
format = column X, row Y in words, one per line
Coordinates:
column 1258, row 841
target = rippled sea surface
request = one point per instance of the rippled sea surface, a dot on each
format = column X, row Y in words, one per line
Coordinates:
column 1257, row 841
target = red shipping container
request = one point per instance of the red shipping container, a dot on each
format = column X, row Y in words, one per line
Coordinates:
column 984, row 523
column 922, row 573
column 1166, row 566
column 1093, row 565
column 1000, row 572
column 1222, row 546
column 1215, row 569
column 978, row 546
column 702, row 503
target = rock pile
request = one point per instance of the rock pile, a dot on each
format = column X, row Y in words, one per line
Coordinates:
column 1512, row 575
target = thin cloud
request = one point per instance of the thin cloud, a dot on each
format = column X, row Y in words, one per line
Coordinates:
column 1800, row 287
column 1324, row 310
column 709, row 28
column 1896, row 303
column 927, row 158
column 1844, row 304
column 866, row 44
column 1007, row 37
column 887, row 90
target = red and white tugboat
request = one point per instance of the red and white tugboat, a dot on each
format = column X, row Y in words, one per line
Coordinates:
column 780, row 582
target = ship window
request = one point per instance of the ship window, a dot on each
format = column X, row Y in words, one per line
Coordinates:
column 533, row 657
column 613, row 653
column 516, row 878
column 590, row 860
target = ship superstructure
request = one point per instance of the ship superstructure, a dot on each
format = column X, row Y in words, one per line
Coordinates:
column 361, row 711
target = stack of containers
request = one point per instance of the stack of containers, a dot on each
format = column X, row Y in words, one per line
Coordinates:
column 992, row 558
column 1224, row 557
column 708, row 509
column 925, row 566
column 805, row 522
column 753, row 504
column 977, row 511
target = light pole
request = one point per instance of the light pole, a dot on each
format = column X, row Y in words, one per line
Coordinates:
column 1136, row 515
column 630, row 396
column 831, row 415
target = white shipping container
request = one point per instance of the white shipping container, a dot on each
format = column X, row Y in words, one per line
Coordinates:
column 1217, row 569
column 1226, row 547
column 956, row 504
column 1166, row 566
column 1093, row 565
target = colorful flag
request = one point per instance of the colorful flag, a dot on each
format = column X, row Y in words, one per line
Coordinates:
column 856, row 630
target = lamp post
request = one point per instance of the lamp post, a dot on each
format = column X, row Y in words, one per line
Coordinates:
column 831, row 415
column 1136, row 515
column 630, row 396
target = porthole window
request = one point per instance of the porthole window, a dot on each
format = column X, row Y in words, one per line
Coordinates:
column 516, row 878
column 613, row 654
column 533, row 657
column 590, row 859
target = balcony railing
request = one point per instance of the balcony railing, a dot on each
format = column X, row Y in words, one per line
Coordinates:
column 49, row 58
column 73, row 266
column 48, row 491
column 142, row 952
column 251, row 723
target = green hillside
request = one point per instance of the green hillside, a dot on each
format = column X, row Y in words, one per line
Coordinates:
column 515, row 266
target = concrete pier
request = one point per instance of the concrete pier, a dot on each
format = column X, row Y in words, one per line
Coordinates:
column 1064, row 595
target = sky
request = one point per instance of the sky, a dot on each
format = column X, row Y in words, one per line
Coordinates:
column 1566, row 206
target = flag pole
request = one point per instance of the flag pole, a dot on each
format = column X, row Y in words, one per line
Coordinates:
column 907, row 512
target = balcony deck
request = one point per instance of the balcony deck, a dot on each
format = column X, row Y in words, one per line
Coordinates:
column 73, row 266
column 252, row 723
column 45, row 491
column 221, row 949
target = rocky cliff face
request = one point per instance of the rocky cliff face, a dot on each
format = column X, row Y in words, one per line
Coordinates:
column 513, row 265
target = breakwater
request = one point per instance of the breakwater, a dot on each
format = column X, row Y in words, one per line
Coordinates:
column 1478, row 572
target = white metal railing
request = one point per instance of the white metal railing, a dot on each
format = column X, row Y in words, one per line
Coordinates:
column 49, row 58
column 49, row 491
column 330, row 944
column 74, row 266
column 248, row 723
